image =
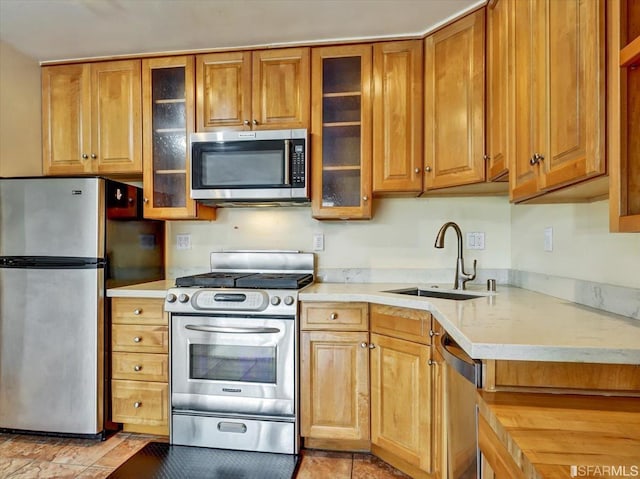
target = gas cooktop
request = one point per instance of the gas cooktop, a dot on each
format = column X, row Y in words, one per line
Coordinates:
column 216, row 279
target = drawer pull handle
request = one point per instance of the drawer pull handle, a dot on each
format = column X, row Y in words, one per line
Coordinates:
column 333, row 316
column 137, row 404
column 137, row 367
column 137, row 339
column 137, row 311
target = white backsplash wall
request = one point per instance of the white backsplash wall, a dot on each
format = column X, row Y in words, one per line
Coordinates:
column 399, row 238
column 583, row 248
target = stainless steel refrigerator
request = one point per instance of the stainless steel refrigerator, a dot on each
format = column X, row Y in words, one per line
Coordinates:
column 63, row 242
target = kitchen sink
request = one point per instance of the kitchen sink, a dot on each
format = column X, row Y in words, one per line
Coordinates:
column 431, row 293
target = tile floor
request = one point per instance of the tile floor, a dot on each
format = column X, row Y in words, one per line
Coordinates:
column 38, row 457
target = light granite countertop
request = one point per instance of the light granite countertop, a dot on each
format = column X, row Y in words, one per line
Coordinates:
column 514, row 323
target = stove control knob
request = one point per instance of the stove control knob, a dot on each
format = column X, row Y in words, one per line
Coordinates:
column 288, row 300
column 171, row 298
column 275, row 300
column 183, row 298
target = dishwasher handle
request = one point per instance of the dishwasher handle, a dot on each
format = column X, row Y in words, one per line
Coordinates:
column 457, row 359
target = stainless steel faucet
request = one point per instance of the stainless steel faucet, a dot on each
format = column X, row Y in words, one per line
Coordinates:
column 461, row 277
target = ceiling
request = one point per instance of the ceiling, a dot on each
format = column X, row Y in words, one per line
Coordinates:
column 53, row 30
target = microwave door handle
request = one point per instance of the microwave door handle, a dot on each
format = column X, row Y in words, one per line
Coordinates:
column 287, row 161
column 218, row 329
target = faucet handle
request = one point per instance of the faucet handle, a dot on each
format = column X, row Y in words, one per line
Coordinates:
column 466, row 276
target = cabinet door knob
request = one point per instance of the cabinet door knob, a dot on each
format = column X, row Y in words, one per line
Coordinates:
column 417, row 170
column 333, row 316
column 536, row 159
column 431, row 362
column 137, row 404
column 433, row 333
column 365, row 198
column 372, row 346
column 137, row 311
column 137, row 339
column 486, row 157
column 137, row 367
column 246, row 123
column 255, row 122
column 94, row 156
column 85, row 156
column 145, row 200
column 363, row 344
column 427, row 169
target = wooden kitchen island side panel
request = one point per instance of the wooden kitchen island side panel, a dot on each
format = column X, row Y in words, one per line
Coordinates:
column 550, row 436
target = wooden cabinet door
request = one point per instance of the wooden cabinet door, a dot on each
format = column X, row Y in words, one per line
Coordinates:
column 223, row 91
column 66, row 119
column 397, row 117
column 575, row 78
column 116, row 112
column 168, row 119
column 498, row 125
column 281, row 84
column 528, row 90
column 454, row 104
column 334, row 385
column 438, row 427
column 401, row 399
column 341, row 132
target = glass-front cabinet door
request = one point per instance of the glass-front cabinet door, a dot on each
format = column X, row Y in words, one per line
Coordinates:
column 341, row 132
column 168, row 120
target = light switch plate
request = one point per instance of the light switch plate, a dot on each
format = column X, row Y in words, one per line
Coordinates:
column 548, row 239
column 318, row 242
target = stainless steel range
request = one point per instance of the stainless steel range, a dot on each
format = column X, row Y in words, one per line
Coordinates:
column 234, row 352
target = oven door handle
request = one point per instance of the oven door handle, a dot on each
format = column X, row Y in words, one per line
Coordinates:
column 218, row 329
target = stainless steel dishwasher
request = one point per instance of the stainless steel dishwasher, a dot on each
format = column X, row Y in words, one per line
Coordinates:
column 462, row 375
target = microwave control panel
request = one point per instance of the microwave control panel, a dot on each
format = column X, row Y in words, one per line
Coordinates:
column 298, row 164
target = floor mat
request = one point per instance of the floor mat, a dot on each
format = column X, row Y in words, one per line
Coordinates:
column 159, row 460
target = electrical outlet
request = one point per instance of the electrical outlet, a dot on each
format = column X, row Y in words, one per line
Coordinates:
column 318, row 242
column 475, row 240
column 183, row 241
column 548, row 239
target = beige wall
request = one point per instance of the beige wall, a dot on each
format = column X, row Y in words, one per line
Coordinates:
column 583, row 248
column 20, row 114
column 401, row 234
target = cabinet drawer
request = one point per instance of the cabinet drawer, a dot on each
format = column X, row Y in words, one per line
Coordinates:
column 411, row 324
column 335, row 316
column 140, row 402
column 138, row 311
column 140, row 339
column 140, row 366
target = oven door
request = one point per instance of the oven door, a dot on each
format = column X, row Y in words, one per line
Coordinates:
column 239, row 365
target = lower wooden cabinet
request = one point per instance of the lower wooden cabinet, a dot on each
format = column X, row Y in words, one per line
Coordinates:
column 401, row 399
column 140, row 365
column 363, row 390
column 334, row 392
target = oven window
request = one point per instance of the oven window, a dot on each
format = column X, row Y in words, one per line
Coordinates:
column 253, row 364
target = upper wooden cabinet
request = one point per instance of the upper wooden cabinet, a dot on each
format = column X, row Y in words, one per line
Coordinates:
column 454, row 104
column 168, row 119
column 91, row 118
column 397, row 117
column 559, row 94
column 260, row 90
column 341, row 132
column 497, row 121
column 623, row 92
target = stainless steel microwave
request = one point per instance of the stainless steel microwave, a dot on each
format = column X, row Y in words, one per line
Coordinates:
column 240, row 168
